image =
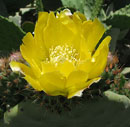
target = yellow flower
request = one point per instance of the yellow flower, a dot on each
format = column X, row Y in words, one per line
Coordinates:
column 61, row 55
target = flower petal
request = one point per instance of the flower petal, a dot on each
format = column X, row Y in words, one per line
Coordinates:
column 64, row 68
column 95, row 66
column 27, row 48
column 28, row 52
column 40, row 25
column 73, row 23
column 53, row 83
column 48, row 67
column 36, row 42
column 19, row 67
column 33, row 82
column 65, row 18
column 78, row 92
column 75, row 82
column 85, row 54
column 38, row 33
column 76, row 77
column 92, row 32
column 28, row 72
column 99, row 58
column 56, row 33
column 78, row 19
column 80, row 16
column 85, row 65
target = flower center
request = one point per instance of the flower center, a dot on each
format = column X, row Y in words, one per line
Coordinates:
column 63, row 53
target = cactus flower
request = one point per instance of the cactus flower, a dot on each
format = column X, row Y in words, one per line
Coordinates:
column 62, row 56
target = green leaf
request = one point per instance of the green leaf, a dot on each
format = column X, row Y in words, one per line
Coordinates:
column 90, row 8
column 114, row 33
column 3, row 9
column 123, row 33
column 120, row 3
column 120, row 18
column 10, row 35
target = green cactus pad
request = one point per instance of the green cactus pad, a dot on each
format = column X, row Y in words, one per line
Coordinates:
column 90, row 8
column 10, row 35
column 120, row 18
column 112, row 110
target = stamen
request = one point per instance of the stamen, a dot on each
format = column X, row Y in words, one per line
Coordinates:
column 63, row 53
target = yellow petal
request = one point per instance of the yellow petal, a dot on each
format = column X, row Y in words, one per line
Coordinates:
column 40, row 25
column 80, row 16
column 36, row 68
column 104, row 45
column 27, row 49
column 85, row 54
column 66, row 68
column 85, row 65
column 78, row 21
column 92, row 32
column 33, row 82
column 28, row 72
column 73, row 23
column 64, row 14
column 30, row 43
column 78, row 92
column 95, row 66
column 19, row 67
column 38, row 33
column 48, row 67
column 56, row 33
column 99, row 58
column 76, row 83
column 65, row 18
column 53, row 83
column 76, row 77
